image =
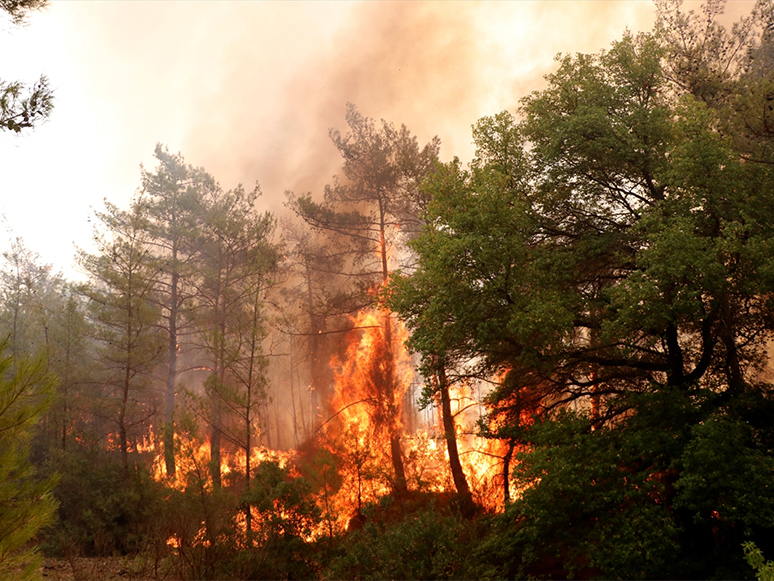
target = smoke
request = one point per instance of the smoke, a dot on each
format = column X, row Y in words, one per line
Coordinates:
column 249, row 90
column 436, row 67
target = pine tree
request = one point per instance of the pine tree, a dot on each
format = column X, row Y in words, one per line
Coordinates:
column 26, row 503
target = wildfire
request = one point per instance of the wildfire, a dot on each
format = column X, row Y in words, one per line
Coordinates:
column 351, row 461
column 370, row 383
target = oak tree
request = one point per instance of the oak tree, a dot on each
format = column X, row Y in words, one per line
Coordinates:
column 613, row 272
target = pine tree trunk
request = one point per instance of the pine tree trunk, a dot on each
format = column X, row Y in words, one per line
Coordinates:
column 507, row 473
column 169, row 412
column 396, row 451
column 122, row 436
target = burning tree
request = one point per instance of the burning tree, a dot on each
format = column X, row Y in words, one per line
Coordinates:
column 173, row 198
column 314, row 296
column 383, row 167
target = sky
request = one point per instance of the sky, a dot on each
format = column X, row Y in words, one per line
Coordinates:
column 249, row 91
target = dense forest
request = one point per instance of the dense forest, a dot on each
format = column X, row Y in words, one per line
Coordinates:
column 551, row 362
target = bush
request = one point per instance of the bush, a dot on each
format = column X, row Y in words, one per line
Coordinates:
column 424, row 545
column 101, row 512
column 211, row 538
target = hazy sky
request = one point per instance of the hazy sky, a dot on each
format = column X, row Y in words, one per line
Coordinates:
column 248, row 90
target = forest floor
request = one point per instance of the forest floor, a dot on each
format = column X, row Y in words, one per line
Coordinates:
column 99, row 569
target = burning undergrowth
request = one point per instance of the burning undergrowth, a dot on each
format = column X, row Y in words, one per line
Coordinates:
column 357, row 458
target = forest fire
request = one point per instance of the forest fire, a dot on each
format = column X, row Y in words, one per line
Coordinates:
column 587, row 301
column 194, row 458
column 349, row 461
column 370, row 382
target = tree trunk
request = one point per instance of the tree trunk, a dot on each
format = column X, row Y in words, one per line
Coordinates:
column 507, row 473
column 122, row 436
column 316, row 365
column 248, row 446
column 394, row 406
column 450, row 433
column 293, row 395
column 169, row 412
column 219, row 373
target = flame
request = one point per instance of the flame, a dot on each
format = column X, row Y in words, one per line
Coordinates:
column 370, row 381
column 366, row 415
column 193, row 458
column 349, row 463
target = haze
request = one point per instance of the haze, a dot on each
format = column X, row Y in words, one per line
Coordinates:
column 248, row 90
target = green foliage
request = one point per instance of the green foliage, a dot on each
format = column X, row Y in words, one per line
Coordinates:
column 764, row 570
column 123, row 305
column 322, row 470
column 22, row 107
column 101, row 513
column 591, row 505
column 282, row 502
column 26, row 503
column 726, row 477
column 611, row 254
column 425, row 545
column 201, row 520
column 285, row 515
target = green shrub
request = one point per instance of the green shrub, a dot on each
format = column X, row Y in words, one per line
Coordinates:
column 424, row 545
column 101, row 512
column 764, row 570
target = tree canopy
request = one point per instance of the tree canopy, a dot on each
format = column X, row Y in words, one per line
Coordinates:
column 22, row 107
column 607, row 256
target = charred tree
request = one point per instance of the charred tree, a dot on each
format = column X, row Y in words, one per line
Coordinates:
column 373, row 210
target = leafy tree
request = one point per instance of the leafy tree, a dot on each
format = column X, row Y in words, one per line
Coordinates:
column 615, row 264
column 458, row 296
column 26, row 503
